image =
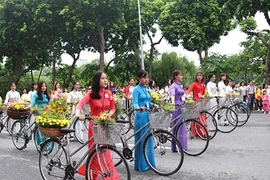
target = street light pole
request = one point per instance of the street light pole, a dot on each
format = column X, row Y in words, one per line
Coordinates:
column 140, row 28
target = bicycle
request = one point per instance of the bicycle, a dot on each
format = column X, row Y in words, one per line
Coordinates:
column 226, row 118
column 22, row 131
column 81, row 129
column 182, row 128
column 241, row 108
column 162, row 139
column 55, row 159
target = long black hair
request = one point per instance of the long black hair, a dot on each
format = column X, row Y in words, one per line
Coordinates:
column 55, row 86
column 95, row 85
column 39, row 91
column 197, row 74
column 32, row 86
column 73, row 84
column 140, row 74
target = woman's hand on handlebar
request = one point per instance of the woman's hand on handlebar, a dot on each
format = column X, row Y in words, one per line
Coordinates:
column 81, row 116
column 141, row 109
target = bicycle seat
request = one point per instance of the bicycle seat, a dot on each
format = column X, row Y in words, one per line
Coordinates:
column 66, row 130
column 122, row 121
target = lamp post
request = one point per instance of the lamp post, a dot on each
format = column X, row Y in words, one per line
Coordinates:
column 140, row 29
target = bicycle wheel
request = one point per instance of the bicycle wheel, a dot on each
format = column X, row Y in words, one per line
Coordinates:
column 127, row 116
column 52, row 160
column 100, row 164
column 227, row 119
column 18, row 135
column 242, row 112
column 158, row 154
column 193, row 144
column 211, row 122
column 81, row 131
column 39, row 139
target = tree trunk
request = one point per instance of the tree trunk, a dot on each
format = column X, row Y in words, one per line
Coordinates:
column 101, row 48
column 206, row 53
column 40, row 72
column 71, row 69
column 267, row 65
column 151, row 57
column 200, row 55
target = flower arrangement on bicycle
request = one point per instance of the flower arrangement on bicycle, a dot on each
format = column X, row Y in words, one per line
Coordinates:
column 119, row 106
column 162, row 102
column 18, row 106
column 104, row 119
column 54, row 115
column 16, row 109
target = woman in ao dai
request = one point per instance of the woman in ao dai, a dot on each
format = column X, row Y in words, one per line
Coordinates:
column 222, row 94
column 211, row 88
column 142, row 101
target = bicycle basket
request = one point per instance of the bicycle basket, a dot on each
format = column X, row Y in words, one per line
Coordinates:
column 237, row 99
column 159, row 120
column 190, row 111
column 203, row 103
column 107, row 134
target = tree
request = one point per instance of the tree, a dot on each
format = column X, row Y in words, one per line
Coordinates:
column 243, row 10
column 163, row 68
column 196, row 25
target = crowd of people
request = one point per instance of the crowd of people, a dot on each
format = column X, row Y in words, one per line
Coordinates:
column 100, row 98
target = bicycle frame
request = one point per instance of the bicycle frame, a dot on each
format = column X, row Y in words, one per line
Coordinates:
column 126, row 139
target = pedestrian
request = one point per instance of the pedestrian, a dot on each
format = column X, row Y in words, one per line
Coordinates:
column 177, row 93
column 57, row 91
column 142, row 102
column 223, row 98
column 151, row 85
column 128, row 92
column 265, row 102
column 11, row 96
column 111, row 87
column 258, row 97
column 41, row 98
column 250, row 95
column 198, row 90
column 243, row 91
column 211, row 88
column 229, row 89
column 32, row 91
column 24, row 96
column 100, row 100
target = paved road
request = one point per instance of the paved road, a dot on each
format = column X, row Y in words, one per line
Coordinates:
column 241, row 155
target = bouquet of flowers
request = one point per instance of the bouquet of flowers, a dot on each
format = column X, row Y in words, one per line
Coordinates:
column 18, row 106
column 162, row 102
column 51, row 120
column 156, row 98
column 104, row 119
column 118, row 104
column 55, row 114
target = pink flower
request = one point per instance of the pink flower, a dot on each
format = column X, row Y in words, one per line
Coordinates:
column 107, row 117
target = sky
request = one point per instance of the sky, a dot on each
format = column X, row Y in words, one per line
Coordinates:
column 228, row 45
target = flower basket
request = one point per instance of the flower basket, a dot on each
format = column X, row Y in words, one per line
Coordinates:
column 159, row 120
column 16, row 114
column 107, row 134
column 50, row 132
